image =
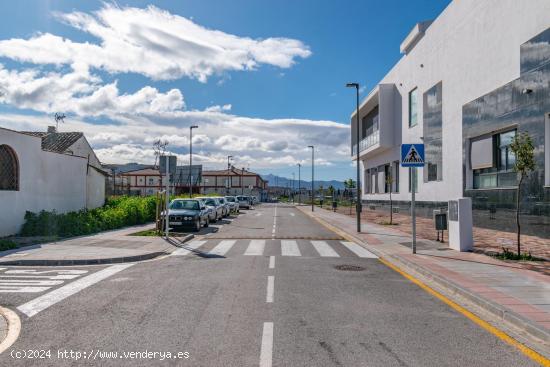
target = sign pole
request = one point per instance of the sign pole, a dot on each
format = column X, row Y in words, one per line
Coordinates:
column 166, row 218
column 413, row 211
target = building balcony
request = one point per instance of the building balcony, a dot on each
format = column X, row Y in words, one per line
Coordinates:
column 379, row 125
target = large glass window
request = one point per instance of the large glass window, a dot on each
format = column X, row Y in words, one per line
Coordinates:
column 501, row 173
column 547, row 150
column 413, row 107
column 433, row 133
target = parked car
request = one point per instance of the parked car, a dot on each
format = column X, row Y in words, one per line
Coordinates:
column 211, row 210
column 215, row 206
column 187, row 213
column 226, row 206
column 244, row 201
column 233, row 203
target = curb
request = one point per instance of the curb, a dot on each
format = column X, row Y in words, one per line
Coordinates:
column 493, row 308
column 103, row 261
column 14, row 328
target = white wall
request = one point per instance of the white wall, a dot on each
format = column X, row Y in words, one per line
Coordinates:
column 473, row 47
column 48, row 181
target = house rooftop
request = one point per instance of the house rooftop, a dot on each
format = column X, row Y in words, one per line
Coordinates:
column 54, row 141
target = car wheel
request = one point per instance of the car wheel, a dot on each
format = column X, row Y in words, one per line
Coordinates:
column 207, row 222
column 197, row 225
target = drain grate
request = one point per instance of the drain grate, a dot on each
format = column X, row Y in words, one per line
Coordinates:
column 349, row 267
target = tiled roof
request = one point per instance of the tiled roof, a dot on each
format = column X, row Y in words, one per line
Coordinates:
column 56, row 142
column 232, row 172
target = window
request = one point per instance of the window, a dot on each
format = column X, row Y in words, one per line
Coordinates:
column 388, row 178
column 547, row 151
column 413, row 107
column 396, row 176
column 496, row 169
column 432, row 121
column 151, row 181
column 9, row 169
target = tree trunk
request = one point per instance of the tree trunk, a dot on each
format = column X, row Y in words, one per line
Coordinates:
column 391, row 208
column 517, row 213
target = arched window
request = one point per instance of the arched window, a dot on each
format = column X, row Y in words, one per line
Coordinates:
column 9, row 169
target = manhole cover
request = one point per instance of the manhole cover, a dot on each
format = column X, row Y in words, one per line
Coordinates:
column 349, row 267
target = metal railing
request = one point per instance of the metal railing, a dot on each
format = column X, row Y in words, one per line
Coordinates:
column 372, row 138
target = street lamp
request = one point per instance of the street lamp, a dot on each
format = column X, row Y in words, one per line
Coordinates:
column 358, row 204
column 293, row 192
column 228, row 182
column 299, row 185
column 312, row 174
column 191, row 159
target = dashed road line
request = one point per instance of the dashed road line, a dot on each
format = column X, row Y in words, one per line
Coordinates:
column 272, row 262
column 33, row 307
column 270, row 289
column 34, row 280
column 324, row 249
column 266, row 352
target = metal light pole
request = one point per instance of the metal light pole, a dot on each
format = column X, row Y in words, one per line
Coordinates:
column 293, row 191
column 228, row 183
column 358, row 188
column 191, row 159
column 229, row 165
column 299, row 185
column 312, row 176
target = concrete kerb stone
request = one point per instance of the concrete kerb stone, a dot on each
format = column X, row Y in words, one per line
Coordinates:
column 452, row 288
column 101, row 261
column 12, row 328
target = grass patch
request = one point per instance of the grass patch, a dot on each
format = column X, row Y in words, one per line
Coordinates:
column 509, row 255
column 7, row 245
column 147, row 233
column 387, row 223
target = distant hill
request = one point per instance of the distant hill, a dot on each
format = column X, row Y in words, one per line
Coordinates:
column 287, row 182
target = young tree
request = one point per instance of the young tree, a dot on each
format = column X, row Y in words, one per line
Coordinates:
column 389, row 182
column 524, row 150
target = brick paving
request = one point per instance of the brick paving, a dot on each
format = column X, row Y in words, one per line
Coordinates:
column 486, row 241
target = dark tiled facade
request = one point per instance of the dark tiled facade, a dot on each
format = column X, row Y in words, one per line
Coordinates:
column 523, row 105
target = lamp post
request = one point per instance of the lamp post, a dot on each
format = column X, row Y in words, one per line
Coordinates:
column 228, row 183
column 191, row 159
column 312, row 176
column 358, row 204
column 299, row 185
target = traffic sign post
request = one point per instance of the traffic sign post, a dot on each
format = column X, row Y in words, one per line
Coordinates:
column 412, row 156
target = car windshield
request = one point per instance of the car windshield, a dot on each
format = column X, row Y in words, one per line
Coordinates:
column 210, row 202
column 230, row 199
column 222, row 200
column 185, row 204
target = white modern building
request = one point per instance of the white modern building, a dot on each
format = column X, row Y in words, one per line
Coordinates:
column 467, row 82
column 46, row 171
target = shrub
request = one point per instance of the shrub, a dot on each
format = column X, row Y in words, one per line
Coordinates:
column 7, row 245
column 117, row 212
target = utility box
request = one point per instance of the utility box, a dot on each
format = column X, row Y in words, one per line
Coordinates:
column 440, row 220
column 461, row 225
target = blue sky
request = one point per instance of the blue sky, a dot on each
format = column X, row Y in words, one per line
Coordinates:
column 262, row 79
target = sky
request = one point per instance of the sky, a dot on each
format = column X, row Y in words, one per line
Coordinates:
column 262, row 80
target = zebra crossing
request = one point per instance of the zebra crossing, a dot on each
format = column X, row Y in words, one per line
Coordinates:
column 35, row 280
column 261, row 247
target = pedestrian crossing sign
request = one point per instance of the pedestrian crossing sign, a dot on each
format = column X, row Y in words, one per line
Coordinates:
column 412, row 155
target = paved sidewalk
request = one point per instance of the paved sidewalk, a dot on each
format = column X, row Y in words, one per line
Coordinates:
column 102, row 248
column 518, row 295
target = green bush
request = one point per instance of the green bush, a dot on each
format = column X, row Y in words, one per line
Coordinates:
column 7, row 245
column 117, row 212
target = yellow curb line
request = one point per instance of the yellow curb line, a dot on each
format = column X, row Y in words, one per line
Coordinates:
column 14, row 328
column 540, row 359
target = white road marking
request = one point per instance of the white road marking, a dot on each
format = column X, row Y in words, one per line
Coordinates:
column 270, row 288
column 42, row 272
column 266, row 352
column 359, row 250
column 193, row 245
column 22, row 289
column 272, row 262
column 31, row 282
column 33, row 307
column 255, row 248
column 222, row 247
column 258, row 214
column 290, row 248
column 324, row 249
column 291, row 214
column 274, row 222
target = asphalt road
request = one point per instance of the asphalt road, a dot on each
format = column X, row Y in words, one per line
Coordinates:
column 262, row 289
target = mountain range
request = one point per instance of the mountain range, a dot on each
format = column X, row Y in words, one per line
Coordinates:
column 287, row 182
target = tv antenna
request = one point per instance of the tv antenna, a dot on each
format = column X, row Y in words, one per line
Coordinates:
column 59, row 117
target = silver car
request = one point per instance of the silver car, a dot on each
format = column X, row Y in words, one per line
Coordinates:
column 244, row 202
column 226, row 206
column 217, row 209
column 233, row 203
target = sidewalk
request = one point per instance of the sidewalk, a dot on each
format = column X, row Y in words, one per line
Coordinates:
column 507, row 290
column 102, row 248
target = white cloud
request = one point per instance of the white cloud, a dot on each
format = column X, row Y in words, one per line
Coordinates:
column 154, row 43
